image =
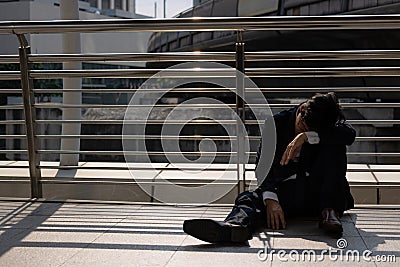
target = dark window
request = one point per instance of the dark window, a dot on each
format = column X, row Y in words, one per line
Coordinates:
column 92, row 3
column 105, row 4
column 118, row 4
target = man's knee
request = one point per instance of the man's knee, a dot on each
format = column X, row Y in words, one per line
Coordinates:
column 332, row 148
column 332, row 152
column 246, row 196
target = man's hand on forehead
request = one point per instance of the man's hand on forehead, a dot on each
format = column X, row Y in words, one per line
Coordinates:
column 293, row 148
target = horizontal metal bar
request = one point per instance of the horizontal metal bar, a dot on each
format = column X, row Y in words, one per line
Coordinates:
column 139, row 180
column 175, row 137
column 219, row 106
column 356, row 154
column 130, row 91
column 12, row 107
column 165, row 137
column 386, row 186
column 180, row 168
column 214, row 56
column 111, row 182
column 14, row 178
column 10, row 75
column 169, row 168
column 10, row 91
column 323, row 55
column 159, row 153
column 217, row 72
column 11, row 181
column 12, row 122
column 360, row 139
column 136, row 106
column 13, row 151
column 137, row 121
column 373, row 154
column 323, row 72
column 224, row 90
column 343, row 105
column 58, row 181
column 378, row 138
column 135, row 73
column 327, row 89
column 249, row 122
column 193, row 168
column 369, row 170
column 358, row 122
column 338, row 22
column 138, row 153
column 135, row 57
column 9, row 59
column 380, row 122
column 12, row 136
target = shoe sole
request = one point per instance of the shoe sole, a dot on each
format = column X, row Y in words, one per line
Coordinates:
column 337, row 230
column 213, row 232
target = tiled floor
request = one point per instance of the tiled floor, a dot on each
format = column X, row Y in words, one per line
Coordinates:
column 74, row 234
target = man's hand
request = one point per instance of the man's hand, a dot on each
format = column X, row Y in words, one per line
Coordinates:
column 293, row 148
column 275, row 217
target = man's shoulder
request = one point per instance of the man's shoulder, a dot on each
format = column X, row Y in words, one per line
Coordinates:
column 284, row 115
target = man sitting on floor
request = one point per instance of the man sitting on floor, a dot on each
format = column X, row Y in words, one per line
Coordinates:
column 307, row 176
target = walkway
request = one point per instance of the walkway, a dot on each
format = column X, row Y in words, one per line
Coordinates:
column 82, row 234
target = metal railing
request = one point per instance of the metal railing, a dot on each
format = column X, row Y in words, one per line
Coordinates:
column 26, row 75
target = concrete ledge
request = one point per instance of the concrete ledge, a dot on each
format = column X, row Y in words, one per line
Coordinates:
column 119, row 184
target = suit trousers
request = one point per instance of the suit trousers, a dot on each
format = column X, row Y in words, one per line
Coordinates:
column 320, row 183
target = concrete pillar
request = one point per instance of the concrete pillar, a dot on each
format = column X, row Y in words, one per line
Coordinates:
column 69, row 9
column 112, row 4
column 99, row 4
column 131, row 6
column 124, row 5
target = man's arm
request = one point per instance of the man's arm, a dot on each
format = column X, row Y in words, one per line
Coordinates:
column 341, row 134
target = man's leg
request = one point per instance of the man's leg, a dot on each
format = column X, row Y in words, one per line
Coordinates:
column 249, row 211
column 239, row 225
column 331, row 189
column 329, row 170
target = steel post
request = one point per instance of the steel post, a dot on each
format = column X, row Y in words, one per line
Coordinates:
column 240, row 109
column 30, row 117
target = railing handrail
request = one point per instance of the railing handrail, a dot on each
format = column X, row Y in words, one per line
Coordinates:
column 204, row 56
column 31, row 104
column 336, row 22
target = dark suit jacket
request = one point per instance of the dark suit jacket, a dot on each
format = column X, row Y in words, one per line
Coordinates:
column 341, row 134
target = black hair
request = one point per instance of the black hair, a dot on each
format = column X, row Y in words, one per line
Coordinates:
column 321, row 111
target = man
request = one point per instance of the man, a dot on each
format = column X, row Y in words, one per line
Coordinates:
column 307, row 176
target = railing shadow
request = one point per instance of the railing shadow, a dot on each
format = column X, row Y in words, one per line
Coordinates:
column 141, row 223
column 26, row 225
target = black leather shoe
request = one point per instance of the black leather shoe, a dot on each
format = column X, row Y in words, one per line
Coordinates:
column 215, row 232
column 330, row 222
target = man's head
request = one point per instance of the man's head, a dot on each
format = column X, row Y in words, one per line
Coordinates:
column 319, row 112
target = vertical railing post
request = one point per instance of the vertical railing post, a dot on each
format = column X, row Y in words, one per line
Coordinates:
column 281, row 8
column 30, row 117
column 240, row 110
